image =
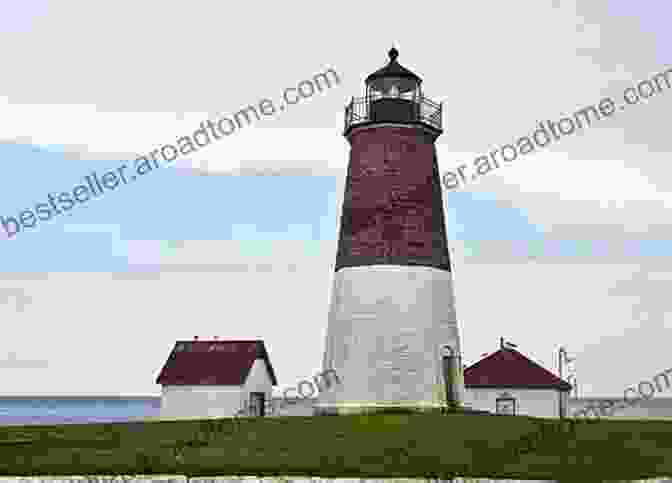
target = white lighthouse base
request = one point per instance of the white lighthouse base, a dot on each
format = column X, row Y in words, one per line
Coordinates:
column 387, row 328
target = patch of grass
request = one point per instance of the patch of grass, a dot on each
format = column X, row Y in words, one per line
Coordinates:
column 387, row 444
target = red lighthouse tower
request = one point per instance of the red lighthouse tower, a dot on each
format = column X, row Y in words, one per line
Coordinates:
column 392, row 320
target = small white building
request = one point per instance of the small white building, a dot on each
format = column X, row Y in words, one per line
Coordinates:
column 507, row 382
column 216, row 378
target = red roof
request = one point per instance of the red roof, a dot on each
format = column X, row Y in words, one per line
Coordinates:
column 508, row 368
column 219, row 362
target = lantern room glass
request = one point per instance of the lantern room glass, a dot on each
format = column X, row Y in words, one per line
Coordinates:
column 393, row 99
column 394, row 88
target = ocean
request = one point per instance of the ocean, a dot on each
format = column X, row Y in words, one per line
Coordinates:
column 17, row 410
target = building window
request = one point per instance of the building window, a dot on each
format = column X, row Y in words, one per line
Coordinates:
column 506, row 404
column 257, row 403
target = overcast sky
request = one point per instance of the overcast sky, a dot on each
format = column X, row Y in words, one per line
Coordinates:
column 567, row 246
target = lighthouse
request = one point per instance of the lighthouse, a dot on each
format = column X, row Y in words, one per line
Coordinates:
column 392, row 329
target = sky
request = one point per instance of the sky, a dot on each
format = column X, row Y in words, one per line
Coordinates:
column 568, row 246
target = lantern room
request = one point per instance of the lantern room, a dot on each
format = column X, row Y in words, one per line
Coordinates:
column 393, row 95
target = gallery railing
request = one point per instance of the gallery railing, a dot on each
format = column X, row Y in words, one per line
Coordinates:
column 363, row 110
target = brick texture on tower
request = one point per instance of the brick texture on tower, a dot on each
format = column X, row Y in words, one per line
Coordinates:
column 392, row 210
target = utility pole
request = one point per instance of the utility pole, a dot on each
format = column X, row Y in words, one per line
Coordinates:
column 561, row 361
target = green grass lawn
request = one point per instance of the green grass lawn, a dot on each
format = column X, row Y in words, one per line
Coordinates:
column 358, row 446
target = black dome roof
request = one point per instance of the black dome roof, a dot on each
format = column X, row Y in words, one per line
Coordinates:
column 393, row 69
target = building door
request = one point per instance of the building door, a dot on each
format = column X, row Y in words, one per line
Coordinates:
column 505, row 404
column 257, row 403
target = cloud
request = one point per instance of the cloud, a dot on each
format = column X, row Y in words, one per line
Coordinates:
column 13, row 363
column 266, row 168
column 20, row 298
column 650, row 288
column 555, row 250
column 154, row 272
column 585, row 199
column 24, row 275
column 149, row 259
